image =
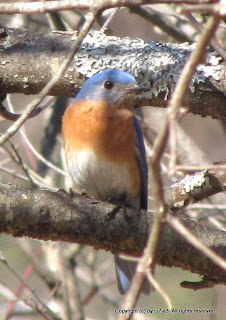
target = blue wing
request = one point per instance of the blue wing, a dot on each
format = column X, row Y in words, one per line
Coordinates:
column 125, row 269
column 143, row 165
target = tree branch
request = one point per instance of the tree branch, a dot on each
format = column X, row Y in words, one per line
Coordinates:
column 30, row 60
column 77, row 218
column 196, row 187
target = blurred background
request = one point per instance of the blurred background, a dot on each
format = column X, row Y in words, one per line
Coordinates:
column 47, row 266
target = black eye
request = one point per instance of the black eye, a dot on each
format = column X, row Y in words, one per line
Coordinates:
column 108, row 85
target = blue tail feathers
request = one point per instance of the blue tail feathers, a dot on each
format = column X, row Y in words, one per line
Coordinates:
column 125, row 271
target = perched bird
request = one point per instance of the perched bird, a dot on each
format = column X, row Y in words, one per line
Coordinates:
column 104, row 148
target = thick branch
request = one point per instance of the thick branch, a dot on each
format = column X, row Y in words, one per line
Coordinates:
column 46, row 215
column 30, row 60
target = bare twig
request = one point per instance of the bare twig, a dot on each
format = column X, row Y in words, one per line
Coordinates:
column 183, row 82
column 187, row 234
column 22, row 165
column 148, row 259
column 47, row 310
column 205, row 206
column 41, row 158
column 72, row 303
column 163, row 22
column 17, row 159
column 160, row 290
column 32, row 176
column 218, row 9
column 108, row 20
column 192, row 168
column 13, row 174
column 26, row 275
column 53, row 6
column 215, row 45
column 15, row 116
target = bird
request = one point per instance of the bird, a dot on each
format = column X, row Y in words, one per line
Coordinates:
column 105, row 150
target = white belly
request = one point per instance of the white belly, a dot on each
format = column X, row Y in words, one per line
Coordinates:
column 102, row 179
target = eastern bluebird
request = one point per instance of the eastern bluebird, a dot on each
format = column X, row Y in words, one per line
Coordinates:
column 105, row 150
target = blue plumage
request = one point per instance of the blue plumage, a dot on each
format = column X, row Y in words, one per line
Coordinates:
column 105, row 149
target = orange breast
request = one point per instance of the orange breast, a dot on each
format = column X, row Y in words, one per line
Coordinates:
column 105, row 129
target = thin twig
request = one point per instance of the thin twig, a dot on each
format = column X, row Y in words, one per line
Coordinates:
column 22, row 165
column 162, row 21
column 186, row 234
column 183, row 82
column 216, row 223
column 13, row 174
column 33, row 177
column 148, row 259
column 48, row 311
column 191, row 168
column 16, row 158
column 53, row 6
column 30, row 145
column 205, row 206
column 72, row 304
column 26, row 275
column 215, row 45
column 160, row 290
column 15, row 116
column 41, row 158
column 218, row 8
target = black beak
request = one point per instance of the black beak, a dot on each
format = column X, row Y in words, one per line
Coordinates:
column 136, row 88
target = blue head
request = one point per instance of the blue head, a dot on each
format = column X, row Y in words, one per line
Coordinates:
column 111, row 86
